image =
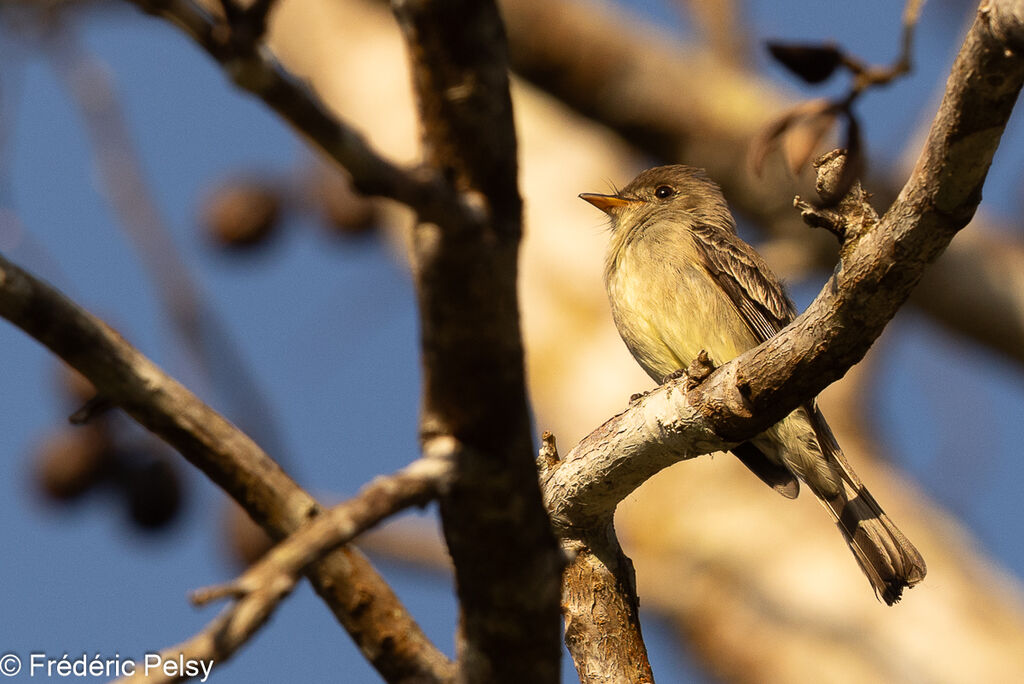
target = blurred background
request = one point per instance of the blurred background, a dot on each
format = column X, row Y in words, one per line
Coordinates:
column 137, row 180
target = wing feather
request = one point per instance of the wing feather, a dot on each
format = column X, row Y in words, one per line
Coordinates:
column 745, row 277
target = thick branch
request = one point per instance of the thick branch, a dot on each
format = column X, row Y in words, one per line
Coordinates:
column 506, row 561
column 660, row 428
column 602, row 611
column 358, row 596
column 602, row 621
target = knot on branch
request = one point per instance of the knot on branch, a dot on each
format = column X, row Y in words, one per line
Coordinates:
column 93, row 408
column 699, row 370
column 846, row 212
column 547, row 459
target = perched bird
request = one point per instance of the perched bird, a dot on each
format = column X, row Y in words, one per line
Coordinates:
column 680, row 280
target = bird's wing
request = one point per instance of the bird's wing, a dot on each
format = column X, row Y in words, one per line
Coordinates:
column 763, row 305
column 745, row 277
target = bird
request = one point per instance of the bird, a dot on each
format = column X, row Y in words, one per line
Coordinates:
column 680, row 281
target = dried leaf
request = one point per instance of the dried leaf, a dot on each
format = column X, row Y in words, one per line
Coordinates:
column 772, row 134
column 804, row 139
column 812, row 63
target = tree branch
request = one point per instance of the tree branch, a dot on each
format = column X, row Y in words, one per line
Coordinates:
column 602, row 611
column 253, row 67
column 360, row 599
column 507, row 564
column 263, row 586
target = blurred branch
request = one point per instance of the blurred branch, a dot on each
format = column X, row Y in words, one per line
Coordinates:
column 209, row 346
column 507, row 565
column 360, row 599
column 264, row 585
column 253, row 67
column 977, row 290
column 720, row 25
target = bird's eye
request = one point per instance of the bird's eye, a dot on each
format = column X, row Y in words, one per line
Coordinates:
column 664, row 191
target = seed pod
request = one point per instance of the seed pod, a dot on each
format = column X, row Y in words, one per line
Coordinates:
column 72, row 460
column 241, row 214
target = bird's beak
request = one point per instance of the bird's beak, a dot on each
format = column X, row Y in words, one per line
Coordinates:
column 609, row 204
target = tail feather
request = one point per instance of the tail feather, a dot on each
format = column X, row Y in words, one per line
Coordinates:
column 886, row 556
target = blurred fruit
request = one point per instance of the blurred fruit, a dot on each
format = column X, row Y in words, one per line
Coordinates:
column 246, row 541
column 241, row 213
column 72, row 460
column 347, row 212
column 154, row 492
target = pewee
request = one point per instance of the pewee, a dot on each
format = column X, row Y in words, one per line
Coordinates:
column 680, row 281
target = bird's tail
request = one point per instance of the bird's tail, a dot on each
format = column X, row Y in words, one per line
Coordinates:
column 886, row 556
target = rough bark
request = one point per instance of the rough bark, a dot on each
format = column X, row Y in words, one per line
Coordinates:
column 507, row 565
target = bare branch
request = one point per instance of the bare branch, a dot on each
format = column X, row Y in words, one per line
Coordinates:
column 599, row 600
column 602, row 621
column 415, row 485
column 507, row 564
column 258, row 592
column 721, row 25
column 657, row 430
column 358, row 596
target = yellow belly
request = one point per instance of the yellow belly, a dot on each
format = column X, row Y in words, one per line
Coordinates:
column 667, row 311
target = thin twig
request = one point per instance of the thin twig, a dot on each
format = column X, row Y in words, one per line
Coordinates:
column 415, row 485
column 208, row 346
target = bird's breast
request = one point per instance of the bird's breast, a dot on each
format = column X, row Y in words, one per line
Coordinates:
column 668, row 308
